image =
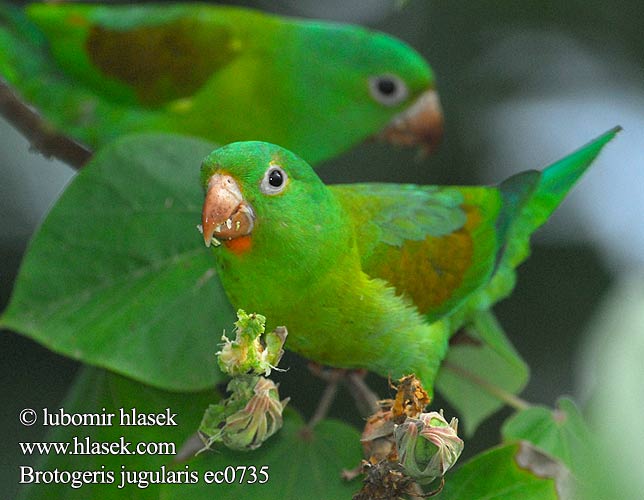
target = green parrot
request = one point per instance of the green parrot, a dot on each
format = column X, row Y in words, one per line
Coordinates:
column 222, row 73
column 375, row 276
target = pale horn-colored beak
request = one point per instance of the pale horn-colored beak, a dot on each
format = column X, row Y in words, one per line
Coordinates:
column 225, row 215
column 421, row 124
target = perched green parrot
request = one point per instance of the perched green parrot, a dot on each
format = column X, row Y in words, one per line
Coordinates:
column 222, row 73
column 375, row 276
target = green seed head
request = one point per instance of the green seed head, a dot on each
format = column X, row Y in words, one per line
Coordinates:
column 428, row 446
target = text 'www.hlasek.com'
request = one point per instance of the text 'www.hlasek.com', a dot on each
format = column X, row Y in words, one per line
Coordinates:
column 120, row 475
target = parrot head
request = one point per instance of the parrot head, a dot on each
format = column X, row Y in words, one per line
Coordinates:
column 367, row 84
column 262, row 197
column 400, row 79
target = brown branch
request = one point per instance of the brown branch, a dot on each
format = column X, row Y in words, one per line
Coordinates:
column 39, row 132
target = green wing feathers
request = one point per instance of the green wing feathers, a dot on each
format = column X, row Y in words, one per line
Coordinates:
column 27, row 65
column 453, row 252
column 436, row 245
column 450, row 248
column 528, row 200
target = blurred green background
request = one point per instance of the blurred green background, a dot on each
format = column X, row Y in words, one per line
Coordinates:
column 522, row 83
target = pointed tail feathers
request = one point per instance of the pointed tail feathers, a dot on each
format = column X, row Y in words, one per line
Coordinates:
column 531, row 197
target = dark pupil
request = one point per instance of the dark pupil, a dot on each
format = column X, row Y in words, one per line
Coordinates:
column 275, row 178
column 386, row 86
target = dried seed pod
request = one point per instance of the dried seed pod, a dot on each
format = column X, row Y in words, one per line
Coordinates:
column 411, row 399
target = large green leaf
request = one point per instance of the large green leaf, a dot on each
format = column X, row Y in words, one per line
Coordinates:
column 95, row 390
column 496, row 475
column 117, row 276
column 560, row 433
column 476, row 371
column 297, row 466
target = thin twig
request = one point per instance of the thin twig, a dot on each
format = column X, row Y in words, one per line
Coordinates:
column 501, row 394
column 39, row 132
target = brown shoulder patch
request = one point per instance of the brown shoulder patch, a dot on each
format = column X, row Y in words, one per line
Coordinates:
column 161, row 63
column 431, row 270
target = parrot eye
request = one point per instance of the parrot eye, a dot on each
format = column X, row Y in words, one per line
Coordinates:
column 274, row 180
column 388, row 89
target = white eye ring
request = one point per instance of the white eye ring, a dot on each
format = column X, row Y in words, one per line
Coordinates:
column 274, row 180
column 388, row 89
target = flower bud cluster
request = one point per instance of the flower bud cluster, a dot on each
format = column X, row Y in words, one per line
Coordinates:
column 252, row 350
column 253, row 411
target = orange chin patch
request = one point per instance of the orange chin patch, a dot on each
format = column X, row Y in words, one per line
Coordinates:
column 239, row 245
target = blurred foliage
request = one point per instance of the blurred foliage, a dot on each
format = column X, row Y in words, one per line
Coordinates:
column 562, row 433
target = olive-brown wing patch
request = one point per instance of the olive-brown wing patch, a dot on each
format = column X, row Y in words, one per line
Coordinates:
column 439, row 272
column 436, row 245
column 161, row 62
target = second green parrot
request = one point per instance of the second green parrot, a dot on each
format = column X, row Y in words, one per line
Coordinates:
column 375, row 276
column 222, row 73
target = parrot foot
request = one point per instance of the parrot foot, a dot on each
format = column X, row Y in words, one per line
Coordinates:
column 332, row 376
column 366, row 400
